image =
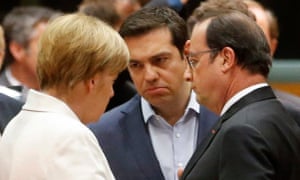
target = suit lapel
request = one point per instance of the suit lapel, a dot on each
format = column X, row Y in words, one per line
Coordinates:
column 200, row 149
column 255, row 96
column 139, row 142
column 207, row 120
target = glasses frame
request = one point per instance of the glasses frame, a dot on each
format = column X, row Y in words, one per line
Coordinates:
column 192, row 64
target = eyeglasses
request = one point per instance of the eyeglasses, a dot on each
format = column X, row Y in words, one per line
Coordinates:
column 192, row 61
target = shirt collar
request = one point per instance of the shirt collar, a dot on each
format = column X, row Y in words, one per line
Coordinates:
column 241, row 94
column 10, row 78
column 148, row 112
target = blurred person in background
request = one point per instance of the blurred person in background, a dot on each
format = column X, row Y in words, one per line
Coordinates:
column 3, row 89
column 23, row 27
column 177, row 5
column 102, row 9
column 126, row 7
column 2, row 46
column 9, row 106
column 79, row 57
column 267, row 20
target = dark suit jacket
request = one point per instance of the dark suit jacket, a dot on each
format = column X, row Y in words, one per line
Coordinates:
column 255, row 139
column 3, row 79
column 126, row 142
column 22, row 89
column 9, row 107
column 291, row 103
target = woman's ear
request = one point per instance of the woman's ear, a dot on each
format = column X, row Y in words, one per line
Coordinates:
column 90, row 83
column 95, row 81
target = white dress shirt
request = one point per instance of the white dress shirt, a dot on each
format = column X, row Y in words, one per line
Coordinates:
column 173, row 145
column 241, row 94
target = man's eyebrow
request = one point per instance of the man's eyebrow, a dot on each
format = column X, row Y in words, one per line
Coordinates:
column 154, row 56
column 160, row 54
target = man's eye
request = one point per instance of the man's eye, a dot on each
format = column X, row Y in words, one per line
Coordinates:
column 160, row 60
column 135, row 65
column 193, row 62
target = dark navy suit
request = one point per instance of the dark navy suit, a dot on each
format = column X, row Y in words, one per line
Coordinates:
column 9, row 107
column 126, row 142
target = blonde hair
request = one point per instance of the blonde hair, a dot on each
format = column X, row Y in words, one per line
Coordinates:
column 74, row 47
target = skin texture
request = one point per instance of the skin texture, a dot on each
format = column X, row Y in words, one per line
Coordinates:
column 158, row 72
column 24, row 66
column 216, row 80
column 93, row 94
column 206, row 75
column 262, row 21
column 1, row 58
column 103, row 84
column 126, row 7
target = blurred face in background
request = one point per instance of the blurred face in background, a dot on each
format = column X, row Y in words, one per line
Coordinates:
column 263, row 22
column 26, row 56
column 126, row 7
column 30, row 57
column 2, row 46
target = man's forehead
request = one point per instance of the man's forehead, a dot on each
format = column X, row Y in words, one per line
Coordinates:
column 200, row 27
column 198, row 36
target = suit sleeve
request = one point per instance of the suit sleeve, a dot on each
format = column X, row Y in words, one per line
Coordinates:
column 245, row 155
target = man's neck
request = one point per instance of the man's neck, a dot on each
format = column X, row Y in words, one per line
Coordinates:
column 173, row 111
column 23, row 76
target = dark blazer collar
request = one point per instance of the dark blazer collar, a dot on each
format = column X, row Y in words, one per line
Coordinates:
column 207, row 120
column 139, row 141
column 257, row 95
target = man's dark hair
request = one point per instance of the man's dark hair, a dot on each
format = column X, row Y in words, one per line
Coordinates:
column 242, row 34
column 148, row 19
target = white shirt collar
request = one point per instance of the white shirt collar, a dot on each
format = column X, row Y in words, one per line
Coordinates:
column 11, row 79
column 241, row 94
column 10, row 92
column 148, row 112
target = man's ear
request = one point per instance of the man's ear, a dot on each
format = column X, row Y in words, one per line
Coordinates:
column 228, row 60
column 187, row 47
column 273, row 46
column 17, row 51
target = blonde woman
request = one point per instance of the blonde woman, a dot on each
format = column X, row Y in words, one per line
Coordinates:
column 78, row 60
